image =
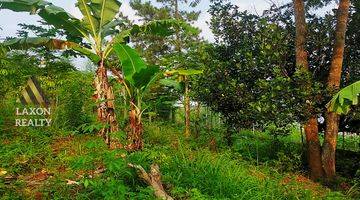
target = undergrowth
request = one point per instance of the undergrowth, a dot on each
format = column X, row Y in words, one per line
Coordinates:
column 52, row 164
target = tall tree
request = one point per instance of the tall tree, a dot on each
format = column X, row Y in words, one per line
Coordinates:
column 311, row 127
column 253, row 58
column 334, row 78
column 170, row 51
column 322, row 163
column 155, row 48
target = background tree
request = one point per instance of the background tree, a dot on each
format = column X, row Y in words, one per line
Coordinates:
column 250, row 73
column 182, row 84
column 171, row 51
column 333, row 84
column 168, row 9
column 239, row 80
column 311, row 126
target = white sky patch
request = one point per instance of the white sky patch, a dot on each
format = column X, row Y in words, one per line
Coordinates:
column 203, row 24
column 254, row 7
column 129, row 12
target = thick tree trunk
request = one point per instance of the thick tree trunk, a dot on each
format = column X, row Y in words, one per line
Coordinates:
column 329, row 146
column 313, row 149
column 311, row 127
column 300, row 23
column 105, row 98
column 332, row 124
column 187, row 109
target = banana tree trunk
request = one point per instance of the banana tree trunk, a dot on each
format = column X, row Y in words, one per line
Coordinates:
column 105, row 97
column 332, row 125
column 187, row 109
column 135, row 129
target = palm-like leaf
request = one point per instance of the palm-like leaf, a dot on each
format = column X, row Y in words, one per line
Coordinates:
column 145, row 77
column 344, row 99
column 53, row 15
column 53, row 44
column 98, row 22
column 131, row 61
column 98, row 13
column 171, row 83
column 110, row 28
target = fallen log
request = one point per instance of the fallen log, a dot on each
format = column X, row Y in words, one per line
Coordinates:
column 153, row 178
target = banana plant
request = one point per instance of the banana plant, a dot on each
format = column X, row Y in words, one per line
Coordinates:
column 349, row 96
column 182, row 84
column 92, row 36
column 136, row 77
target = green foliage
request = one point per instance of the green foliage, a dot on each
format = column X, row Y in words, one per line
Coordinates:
column 188, row 170
column 90, row 128
column 171, row 83
column 162, row 28
column 135, row 71
column 74, row 107
column 164, row 51
column 131, row 62
column 345, row 98
column 98, row 13
column 251, row 74
column 54, row 15
column 249, row 79
column 85, row 36
column 153, row 47
column 184, row 72
column 251, row 66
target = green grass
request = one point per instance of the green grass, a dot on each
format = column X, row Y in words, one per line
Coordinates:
column 190, row 169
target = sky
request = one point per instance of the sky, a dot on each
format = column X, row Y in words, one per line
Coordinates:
column 9, row 20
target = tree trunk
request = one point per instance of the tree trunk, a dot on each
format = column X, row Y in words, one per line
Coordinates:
column 187, row 109
column 177, row 16
column 300, row 40
column 153, row 178
column 198, row 109
column 332, row 125
column 311, row 127
column 135, row 130
column 313, row 149
column 125, row 109
column 119, row 78
column 105, row 98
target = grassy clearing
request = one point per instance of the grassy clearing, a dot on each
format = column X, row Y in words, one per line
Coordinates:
column 50, row 165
